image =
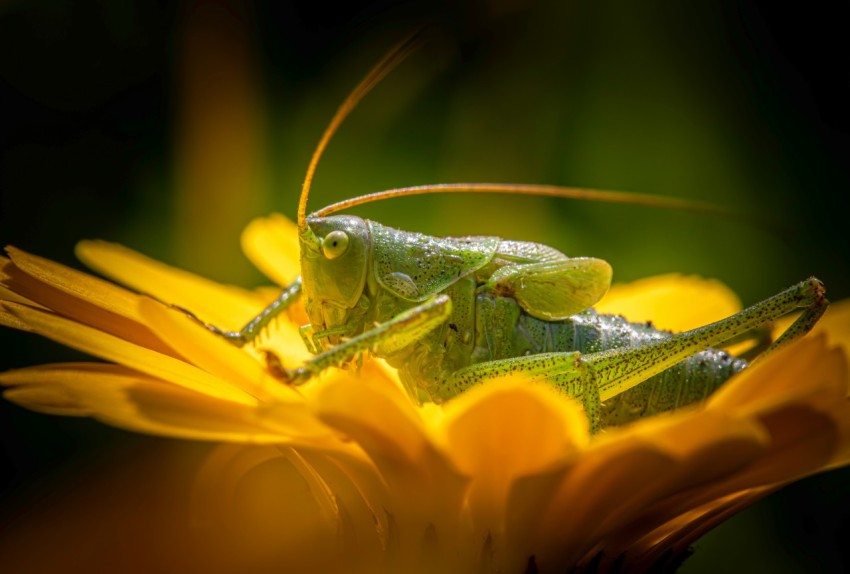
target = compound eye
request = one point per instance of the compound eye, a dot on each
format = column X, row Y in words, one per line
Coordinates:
column 335, row 244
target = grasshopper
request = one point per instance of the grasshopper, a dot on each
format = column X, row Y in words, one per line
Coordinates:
column 453, row 312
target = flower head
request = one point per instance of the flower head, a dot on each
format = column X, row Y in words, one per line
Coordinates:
column 346, row 473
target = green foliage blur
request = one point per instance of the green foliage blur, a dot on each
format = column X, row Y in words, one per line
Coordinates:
column 167, row 127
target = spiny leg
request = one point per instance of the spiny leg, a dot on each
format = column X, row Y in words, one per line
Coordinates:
column 393, row 335
column 759, row 338
column 597, row 377
column 618, row 370
column 313, row 339
column 804, row 323
column 256, row 325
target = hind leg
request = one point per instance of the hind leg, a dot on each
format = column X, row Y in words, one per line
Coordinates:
column 597, row 377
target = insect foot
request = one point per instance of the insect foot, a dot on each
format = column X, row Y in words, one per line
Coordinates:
column 233, row 336
column 811, row 297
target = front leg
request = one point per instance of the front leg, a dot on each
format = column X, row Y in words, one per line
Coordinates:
column 385, row 338
column 256, row 325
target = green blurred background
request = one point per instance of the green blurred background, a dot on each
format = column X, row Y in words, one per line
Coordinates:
column 168, row 126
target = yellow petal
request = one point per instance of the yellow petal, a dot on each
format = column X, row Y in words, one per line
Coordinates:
column 674, row 302
column 49, row 400
column 271, row 243
column 80, row 285
column 706, row 445
column 512, row 461
column 596, row 485
column 484, row 442
column 131, row 400
column 256, row 504
column 802, row 369
column 361, row 495
column 802, row 441
column 836, row 324
column 702, row 447
column 110, row 348
column 380, row 419
column 227, row 306
column 7, row 294
column 80, row 296
column 214, row 354
column 626, row 470
column 802, row 412
column 9, row 319
column 675, row 536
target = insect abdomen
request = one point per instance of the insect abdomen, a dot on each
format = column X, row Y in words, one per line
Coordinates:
column 688, row 382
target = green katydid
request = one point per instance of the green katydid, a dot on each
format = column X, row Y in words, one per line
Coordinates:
column 450, row 313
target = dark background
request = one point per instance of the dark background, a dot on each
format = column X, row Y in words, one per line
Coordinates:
column 168, row 126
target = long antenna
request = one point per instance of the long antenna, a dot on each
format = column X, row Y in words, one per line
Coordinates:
column 649, row 200
column 384, row 67
column 393, row 58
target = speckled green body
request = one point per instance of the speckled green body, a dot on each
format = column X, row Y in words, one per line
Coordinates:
column 440, row 352
column 484, row 328
column 488, row 320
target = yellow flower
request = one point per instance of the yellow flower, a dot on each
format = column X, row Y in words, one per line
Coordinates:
column 346, row 474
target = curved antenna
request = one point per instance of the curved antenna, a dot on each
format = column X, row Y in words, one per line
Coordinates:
column 623, row 197
column 375, row 75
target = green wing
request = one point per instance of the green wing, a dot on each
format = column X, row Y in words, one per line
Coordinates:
column 554, row 290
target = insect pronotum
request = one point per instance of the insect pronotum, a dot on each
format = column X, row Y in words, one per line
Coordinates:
column 452, row 312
